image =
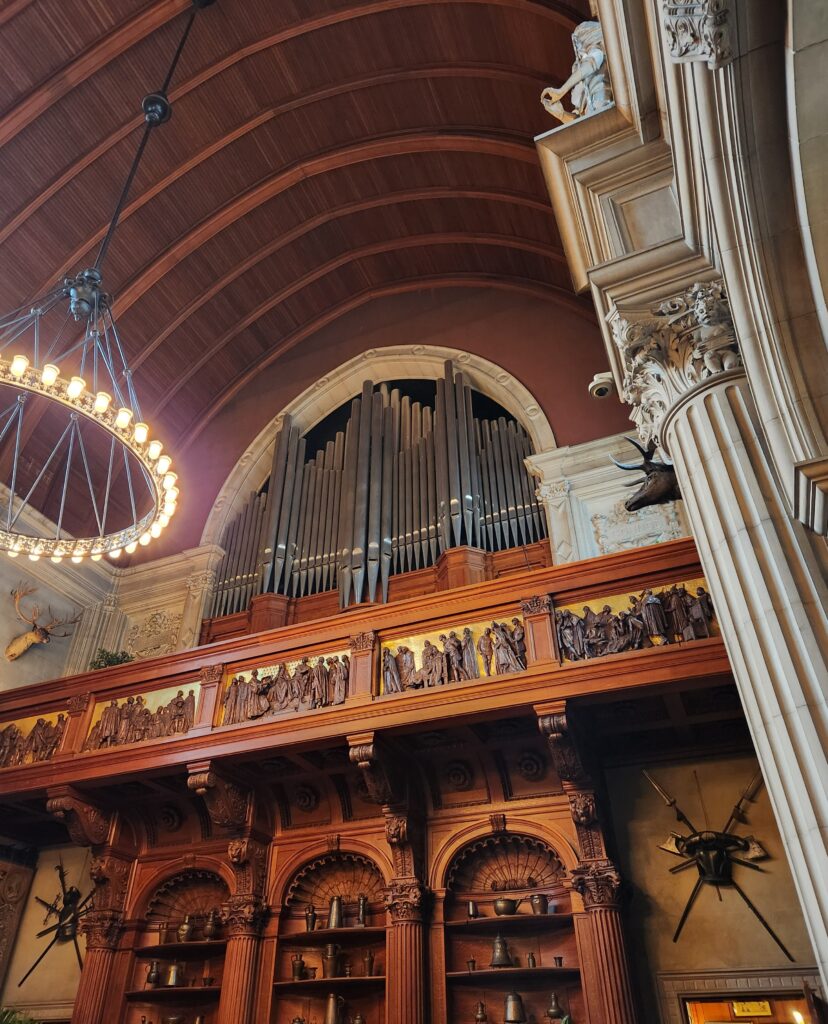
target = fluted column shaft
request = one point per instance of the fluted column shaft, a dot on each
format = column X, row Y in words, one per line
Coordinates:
column 405, row 973
column 611, row 965
column 238, row 980
column 771, row 603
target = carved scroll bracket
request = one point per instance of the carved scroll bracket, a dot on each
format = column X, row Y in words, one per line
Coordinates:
column 228, row 803
column 248, row 859
column 565, row 757
column 87, row 824
column 383, row 781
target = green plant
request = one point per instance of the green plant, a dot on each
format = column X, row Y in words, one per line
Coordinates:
column 104, row 659
column 8, row 1016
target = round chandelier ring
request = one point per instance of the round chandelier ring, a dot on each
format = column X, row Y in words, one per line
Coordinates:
column 162, row 491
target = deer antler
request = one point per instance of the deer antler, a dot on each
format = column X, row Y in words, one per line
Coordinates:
column 23, row 590
column 51, row 626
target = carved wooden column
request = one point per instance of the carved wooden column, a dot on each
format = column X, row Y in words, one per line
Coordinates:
column 540, row 637
column 596, row 879
column 406, row 896
column 361, row 680
column 242, row 917
column 93, row 1002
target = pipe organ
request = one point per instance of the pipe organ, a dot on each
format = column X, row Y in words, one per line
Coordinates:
column 400, row 485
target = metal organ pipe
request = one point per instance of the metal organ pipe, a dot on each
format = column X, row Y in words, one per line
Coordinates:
column 389, row 494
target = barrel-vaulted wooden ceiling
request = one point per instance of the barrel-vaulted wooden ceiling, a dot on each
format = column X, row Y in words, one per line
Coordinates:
column 321, row 154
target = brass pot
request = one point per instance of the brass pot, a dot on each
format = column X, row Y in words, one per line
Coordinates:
column 504, row 906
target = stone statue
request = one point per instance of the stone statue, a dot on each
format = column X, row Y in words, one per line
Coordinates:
column 588, row 86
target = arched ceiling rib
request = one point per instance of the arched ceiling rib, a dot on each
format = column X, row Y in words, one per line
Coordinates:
column 320, row 156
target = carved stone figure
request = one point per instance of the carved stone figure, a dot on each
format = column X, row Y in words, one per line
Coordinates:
column 588, row 86
column 390, row 673
column 469, row 655
column 485, row 647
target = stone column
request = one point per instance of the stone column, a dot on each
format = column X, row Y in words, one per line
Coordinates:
column 242, row 924
column 405, row 953
column 683, row 375
column 199, row 588
column 93, row 1002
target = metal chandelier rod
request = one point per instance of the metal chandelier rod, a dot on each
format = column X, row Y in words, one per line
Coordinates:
column 157, row 110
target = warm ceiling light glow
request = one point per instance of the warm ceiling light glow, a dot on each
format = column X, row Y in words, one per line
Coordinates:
column 115, row 553
column 102, row 400
column 798, row 1018
column 57, row 558
column 169, row 480
column 49, row 374
column 155, row 530
column 34, row 558
column 76, row 387
column 164, row 519
column 12, row 554
column 169, row 508
column 19, row 365
column 144, row 539
column 172, row 494
column 131, row 547
column 154, row 450
column 77, row 558
column 140, row 432
column 97, row 556
column 164, row 464
column 123, row 418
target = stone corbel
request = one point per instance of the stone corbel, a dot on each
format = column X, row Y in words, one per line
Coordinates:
column 698, row 30
column 227, row 803
column 87, row 824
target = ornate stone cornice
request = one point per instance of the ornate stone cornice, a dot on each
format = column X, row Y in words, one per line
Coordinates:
column 689, row 339
column 226, row 801
column 243, row 915
column 102, row 929
column 86, row 823
column 405, row 900
column 598, row 883
column 698, row 30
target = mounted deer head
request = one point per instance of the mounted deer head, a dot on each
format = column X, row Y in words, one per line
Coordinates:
column 37, row 634
column 659, row 484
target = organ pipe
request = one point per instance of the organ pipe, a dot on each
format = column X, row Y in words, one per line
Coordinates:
column 389, row 494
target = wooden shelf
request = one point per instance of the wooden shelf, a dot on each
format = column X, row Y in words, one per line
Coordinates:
column 510, row 974
column 375, row 981
column 181, row 950
column 178, row 994
column 511, row 923
column 343, row 936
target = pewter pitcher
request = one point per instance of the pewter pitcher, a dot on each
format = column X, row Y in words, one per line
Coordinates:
column 330, row 961
column 333, row 1009
column 336, row 915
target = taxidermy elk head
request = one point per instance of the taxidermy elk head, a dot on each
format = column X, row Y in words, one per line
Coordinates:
column 37, row 634
column 659, row 484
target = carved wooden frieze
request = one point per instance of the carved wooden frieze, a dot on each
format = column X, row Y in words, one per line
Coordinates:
column 654, row 617
column 30, row 740
column 141, row 717
column 454, row 654
column 287, row 687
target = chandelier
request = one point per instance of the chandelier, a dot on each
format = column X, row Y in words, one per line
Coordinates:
column 81, row 473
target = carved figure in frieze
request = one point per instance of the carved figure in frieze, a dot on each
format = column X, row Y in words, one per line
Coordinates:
column 453, row 658
column 125, row 713
column 469, row 655
column 178, row 721
column 434, row 665
column 337, row 680
column 678, row 612
column 319, row 684
column 519, row 640
column 189, row 710
column 565, row 630
column 652, row 611
column 110, row 719
column 700, row 611
column 12, row 745
column 505, row 657
column 588, row 86
column 257, row 702
column 142, row 726
column 485, row 647
column 302, row 680
column 406, row 668
column 280, row 691
column 390, row 673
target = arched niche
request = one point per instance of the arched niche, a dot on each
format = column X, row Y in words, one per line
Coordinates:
column 414, row 362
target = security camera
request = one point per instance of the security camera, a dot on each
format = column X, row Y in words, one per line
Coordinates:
column 602, row 385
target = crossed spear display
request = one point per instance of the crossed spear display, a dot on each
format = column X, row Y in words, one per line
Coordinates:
column 68, row 907
column 715, row 853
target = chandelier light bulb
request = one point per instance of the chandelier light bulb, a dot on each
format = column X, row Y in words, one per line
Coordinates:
column 115, row 553
column 172, row 494
column 49, row 374
column 169, row 508
column 132, row 546
column 33, row 557
column 12, row 554
column 19, row 365
column 169, row 480
column 57, row 558
column 97, row 556
column 76, row 387
column 164, row 464
column 102, row 401
column 77, row 558
column 141, row 432
column 122, row 418
column 154, row 450
column 144, row 539
column 155, row 529
column 164, row 519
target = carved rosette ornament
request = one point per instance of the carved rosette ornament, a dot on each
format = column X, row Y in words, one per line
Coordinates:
column 405, row 900
column 598, row 883
column 102, row 929
column 243, row 915
column 87, row 824
column 698, row 30
column 226, row 802
column 689, row 339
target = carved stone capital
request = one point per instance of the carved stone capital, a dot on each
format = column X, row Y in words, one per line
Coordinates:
column 698, row 30
column 554, row 492
column 111, row 877
column 102, row 929
column 689, row 339
column 363, row 641
column 539, row 604
column 211, row 674
column 248, row 858
column 598, row 883
column 405, row 900
column 78, row 703
column 243, row 915
column 86, row 823
column 562, row 748
column 498, row 822
column 227, row 803
column 198, row 582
